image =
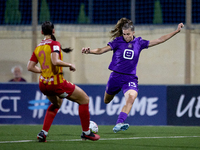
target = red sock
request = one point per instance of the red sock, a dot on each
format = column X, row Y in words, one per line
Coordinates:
column 49, row 117
column 84, row 116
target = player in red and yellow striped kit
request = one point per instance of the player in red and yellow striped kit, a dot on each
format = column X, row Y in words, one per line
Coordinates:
column 52, row 84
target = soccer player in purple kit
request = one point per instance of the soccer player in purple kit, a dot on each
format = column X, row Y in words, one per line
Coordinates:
column 126, row 51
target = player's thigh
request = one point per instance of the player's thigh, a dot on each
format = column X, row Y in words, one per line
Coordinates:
column 79, row 96
column 55, row 100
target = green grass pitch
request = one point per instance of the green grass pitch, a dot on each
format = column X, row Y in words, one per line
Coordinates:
column 67, row 137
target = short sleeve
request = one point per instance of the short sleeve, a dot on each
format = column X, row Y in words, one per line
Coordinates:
column 55, row 46
column 34, row 58
column 113, row 44
column 144, row 43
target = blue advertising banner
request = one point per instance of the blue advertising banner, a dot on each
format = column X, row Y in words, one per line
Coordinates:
column 183, row 105
column 24, row 104
column 149, row 107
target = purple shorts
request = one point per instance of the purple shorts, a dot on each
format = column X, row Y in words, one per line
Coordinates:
column 118, row 81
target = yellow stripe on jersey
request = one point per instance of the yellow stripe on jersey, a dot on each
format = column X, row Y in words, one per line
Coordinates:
column 61, row 78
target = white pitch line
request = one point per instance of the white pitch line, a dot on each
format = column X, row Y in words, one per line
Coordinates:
column 21, row 141
column 103, row 139
column 165, row 137
column 14, row 116
column 10, row 91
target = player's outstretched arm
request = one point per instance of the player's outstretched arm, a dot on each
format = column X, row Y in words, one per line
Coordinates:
column 96, row 51
column 166, row 37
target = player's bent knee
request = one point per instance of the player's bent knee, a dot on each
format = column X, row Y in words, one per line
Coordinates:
column 131, row 96
column 85, row 100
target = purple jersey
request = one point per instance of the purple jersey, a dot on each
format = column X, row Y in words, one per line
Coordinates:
column 126, row 55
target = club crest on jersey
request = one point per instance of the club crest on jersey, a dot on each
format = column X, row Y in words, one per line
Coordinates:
column 130, row 45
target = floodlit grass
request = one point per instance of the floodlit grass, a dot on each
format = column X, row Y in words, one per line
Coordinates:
column 23, row 137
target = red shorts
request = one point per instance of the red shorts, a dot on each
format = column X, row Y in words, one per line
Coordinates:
column 62, row 90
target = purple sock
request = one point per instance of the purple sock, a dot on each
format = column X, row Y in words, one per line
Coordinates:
column 122, row 117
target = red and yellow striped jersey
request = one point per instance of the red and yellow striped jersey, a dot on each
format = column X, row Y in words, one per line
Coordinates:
column 51, row 74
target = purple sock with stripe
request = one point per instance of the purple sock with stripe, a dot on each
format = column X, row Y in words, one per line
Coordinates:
column 122, row 117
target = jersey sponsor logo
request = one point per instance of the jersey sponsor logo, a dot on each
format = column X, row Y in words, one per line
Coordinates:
column 128, row 54
column 56, row 48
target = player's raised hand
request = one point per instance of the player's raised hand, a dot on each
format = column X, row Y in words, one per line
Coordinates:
column 86, row 50
column 180, row 26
